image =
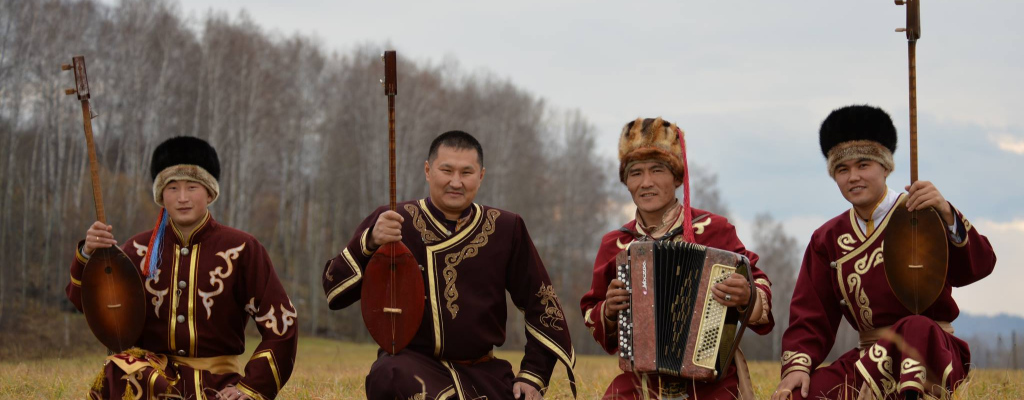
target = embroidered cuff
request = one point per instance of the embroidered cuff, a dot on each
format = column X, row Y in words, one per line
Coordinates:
column 249, row 391
column 795, row 361
column 766, row 308
column 532, row 379
column 364, row 244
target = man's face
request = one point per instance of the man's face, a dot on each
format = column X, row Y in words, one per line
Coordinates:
column 454, row 177
column 862, row 183
column 186, row 202
column 652, row 186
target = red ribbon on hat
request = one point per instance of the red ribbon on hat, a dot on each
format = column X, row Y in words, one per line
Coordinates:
column 687, row 218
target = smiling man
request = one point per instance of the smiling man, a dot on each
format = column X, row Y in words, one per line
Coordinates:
column 203, row 281
column 901, row 355
column 652, row 165
column 470, row 256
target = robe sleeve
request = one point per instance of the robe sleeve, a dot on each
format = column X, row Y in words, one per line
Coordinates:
column 267, row 302
column 592, row 304
column 815, row 314
column 74, row 288
column 547, row 334
column 972, row 258
column 343, row 274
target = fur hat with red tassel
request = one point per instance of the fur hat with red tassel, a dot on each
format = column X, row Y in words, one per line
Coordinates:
column 654, row 139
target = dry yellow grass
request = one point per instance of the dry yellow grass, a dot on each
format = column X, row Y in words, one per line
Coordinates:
column 329, row 369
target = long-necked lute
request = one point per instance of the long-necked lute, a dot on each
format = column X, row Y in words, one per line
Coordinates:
column 392, row 289
column 916, row 250
column 113, row 298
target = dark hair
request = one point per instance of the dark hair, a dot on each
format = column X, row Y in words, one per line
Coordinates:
column 456, row 140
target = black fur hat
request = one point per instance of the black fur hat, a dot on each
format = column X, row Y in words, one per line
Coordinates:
column 859, row 131
column 184, row 158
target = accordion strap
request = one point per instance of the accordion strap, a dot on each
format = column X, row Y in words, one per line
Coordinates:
column 744, row 386
column 734, row 352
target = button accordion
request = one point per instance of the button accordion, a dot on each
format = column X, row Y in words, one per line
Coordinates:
column 673, row 325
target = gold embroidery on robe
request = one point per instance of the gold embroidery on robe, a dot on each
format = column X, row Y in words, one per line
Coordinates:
column 269, row 320
column 552, row 314
column 846, row 242
column 426, row 235
column 699, row 226
column 799, row 361
column 158, row 295
column 861, row 267
column 451, row 294
column 217, row 274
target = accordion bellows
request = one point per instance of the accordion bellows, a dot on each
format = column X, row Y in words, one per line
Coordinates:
column 674, row 326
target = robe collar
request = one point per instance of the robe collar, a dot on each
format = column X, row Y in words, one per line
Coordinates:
column 204, row 227
column 881, row 210
column 670, row 221
column 452, row 226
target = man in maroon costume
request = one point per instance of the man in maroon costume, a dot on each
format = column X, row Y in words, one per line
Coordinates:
column 470, row 256
column 901, row 355
column 652, row 165
column 203, row 282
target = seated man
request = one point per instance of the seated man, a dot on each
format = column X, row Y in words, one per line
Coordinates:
column 203, row 281
column 843, row 276
column 652, row 165
column 470, row 256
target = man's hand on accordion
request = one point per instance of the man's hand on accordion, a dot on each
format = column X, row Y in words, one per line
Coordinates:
column 616, row 299
column 734, row 291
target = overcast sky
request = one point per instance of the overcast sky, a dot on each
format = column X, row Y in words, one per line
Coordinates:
column 749, row 82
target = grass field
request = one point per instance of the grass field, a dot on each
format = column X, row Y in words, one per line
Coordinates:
column 335, row 370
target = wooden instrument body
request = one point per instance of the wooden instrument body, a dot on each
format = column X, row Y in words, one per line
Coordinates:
column 711, row 338
column 392, row 293
column 916, row 255
column 113, row 297
column 392, row 299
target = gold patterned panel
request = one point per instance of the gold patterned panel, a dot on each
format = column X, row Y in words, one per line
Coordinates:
column 451, row 293
column 217, row 274
column 916, row 370
column 846, row 242
column 883, row 364
column 432, row 285
column 426, row 235
column 552, row 313
column 854, row 279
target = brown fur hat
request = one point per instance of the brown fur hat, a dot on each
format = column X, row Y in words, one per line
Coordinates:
column 650, row 139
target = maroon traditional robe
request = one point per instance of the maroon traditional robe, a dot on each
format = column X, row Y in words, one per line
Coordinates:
column 843, row 276
column 467, row 265
column 206, row 289
column 710, row 230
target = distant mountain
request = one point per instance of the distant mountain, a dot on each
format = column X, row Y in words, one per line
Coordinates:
column 968, row 325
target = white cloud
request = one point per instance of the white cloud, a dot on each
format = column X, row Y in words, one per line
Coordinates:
column 1009, row 143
